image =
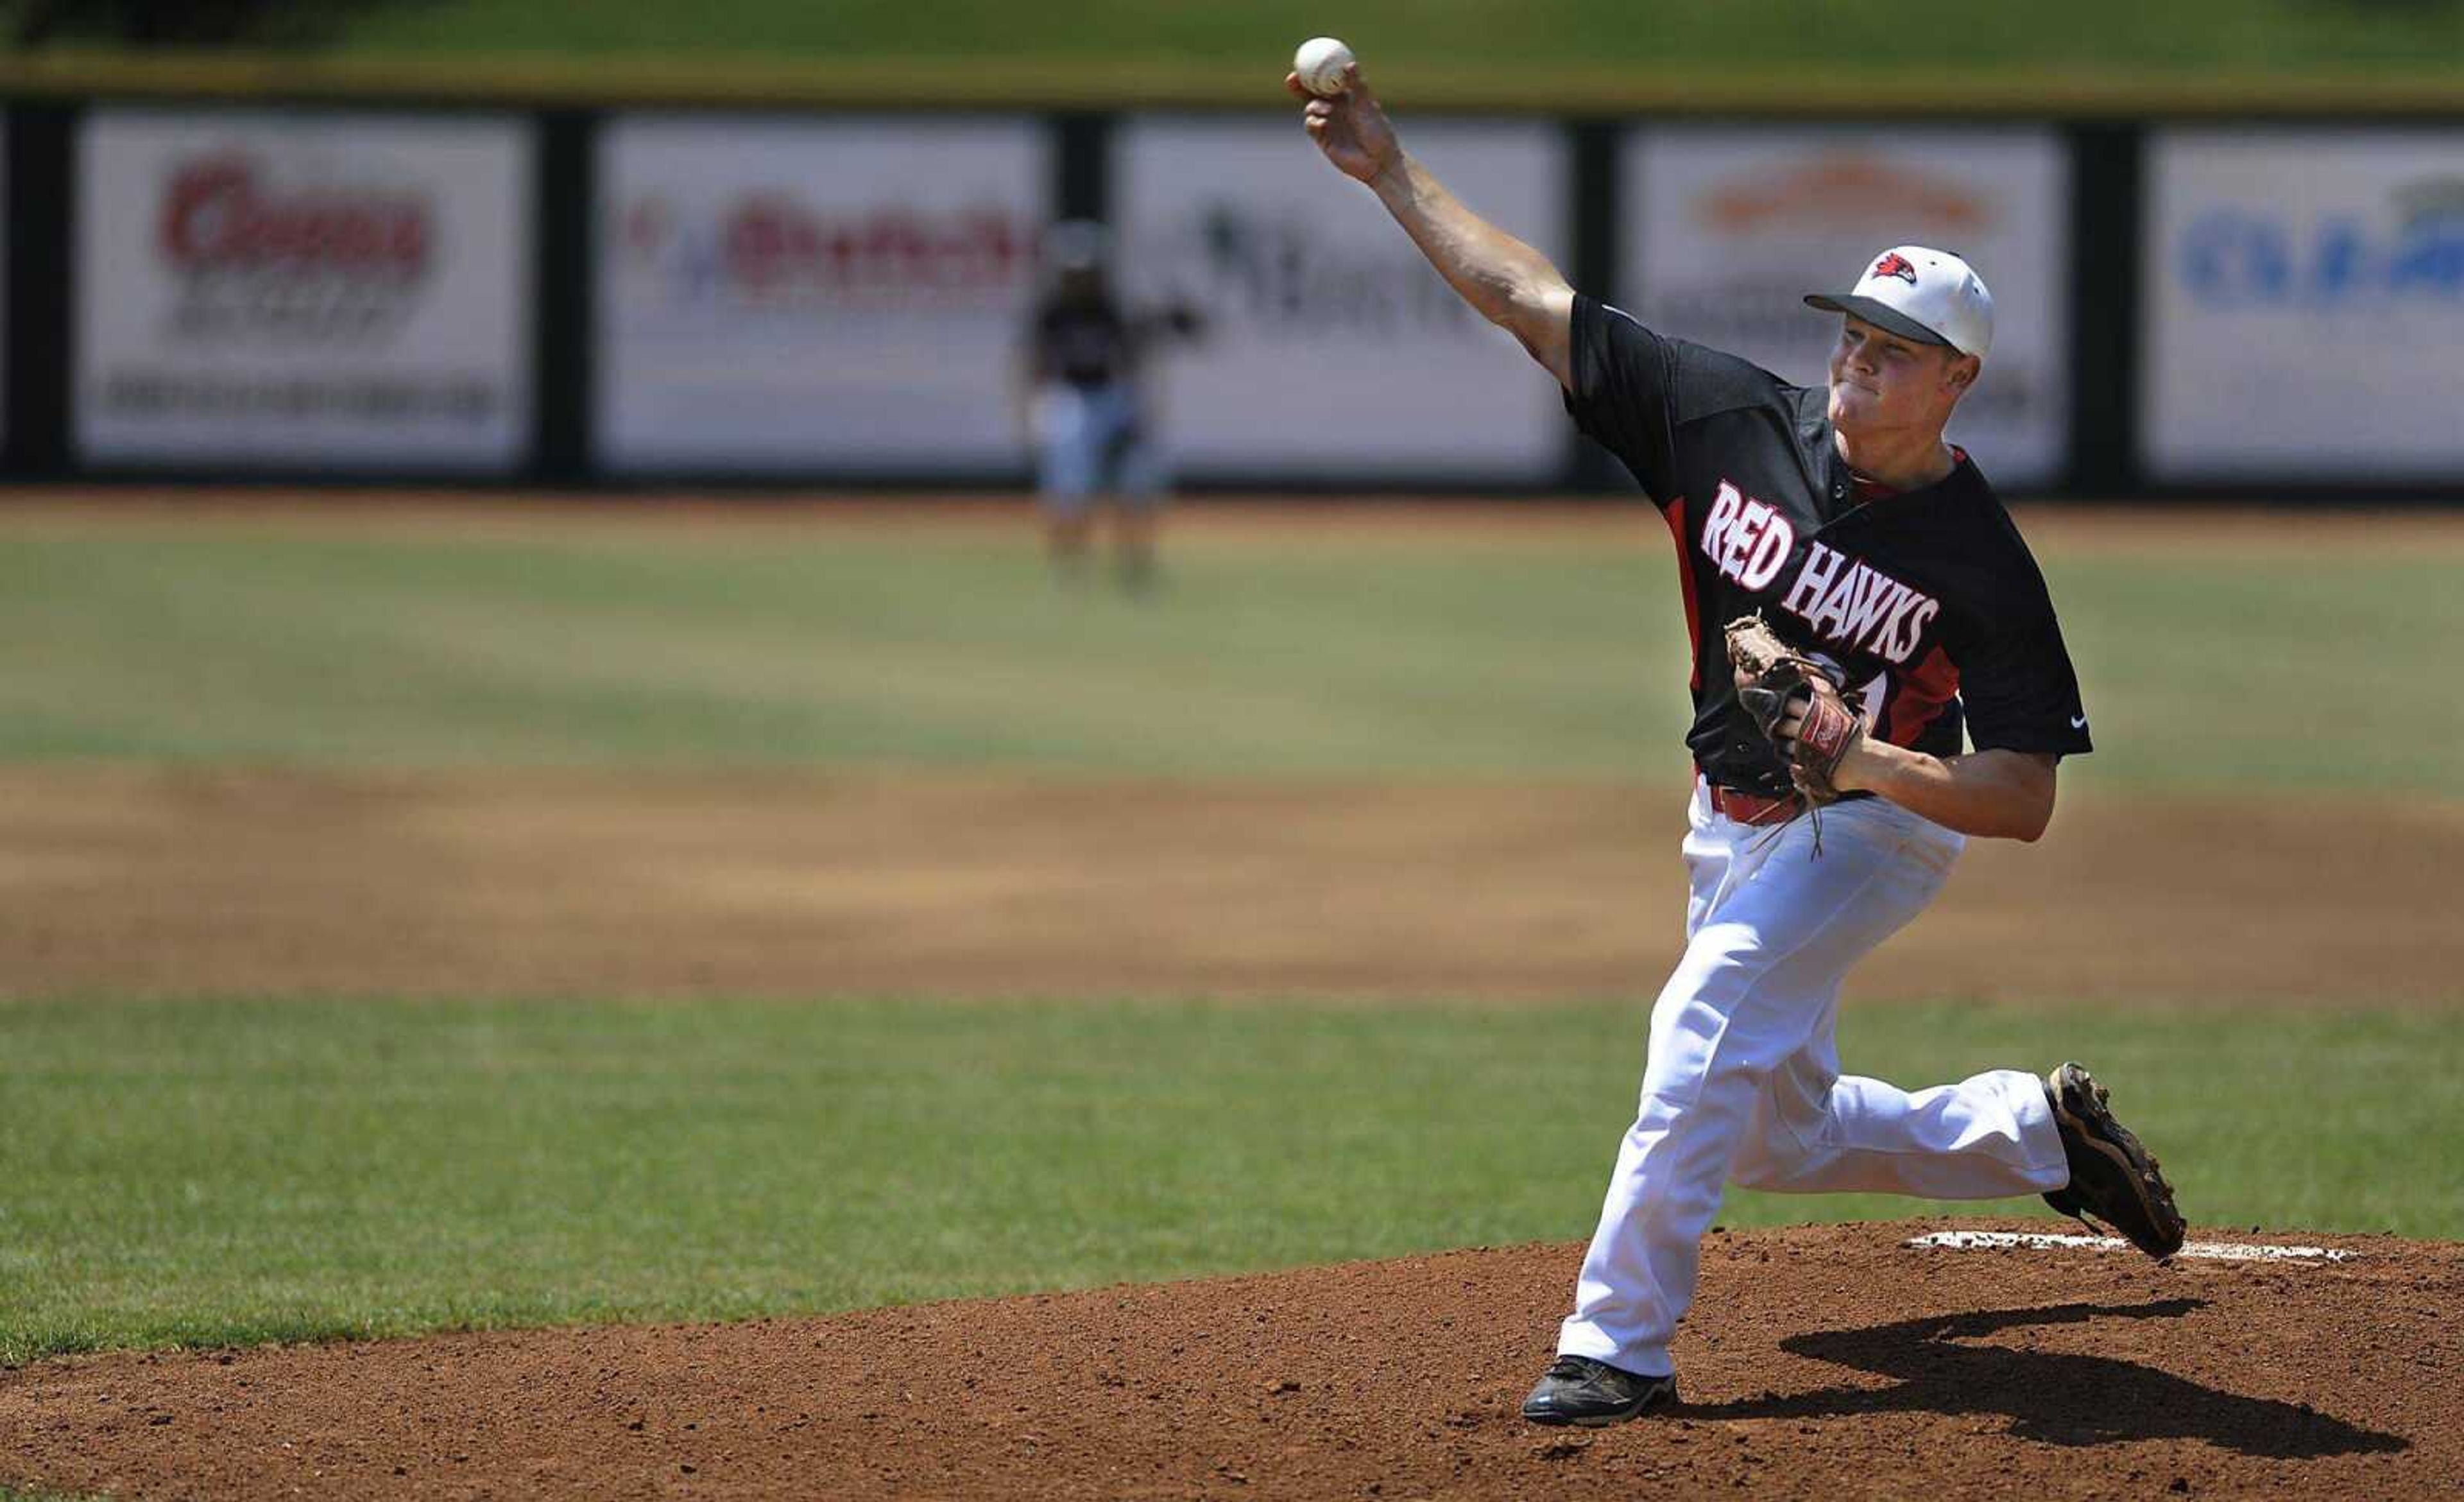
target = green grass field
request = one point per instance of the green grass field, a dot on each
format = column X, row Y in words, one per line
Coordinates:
column 1325, row 654
column 2306, row 36
column 228, row 1170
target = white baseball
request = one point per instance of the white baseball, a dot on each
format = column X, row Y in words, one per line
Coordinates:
column 1320, row 63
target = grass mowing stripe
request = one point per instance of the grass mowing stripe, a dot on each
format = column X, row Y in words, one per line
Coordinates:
column 838, row 650
column 1328, row 657
column 211, row 1172
column 2192, row 36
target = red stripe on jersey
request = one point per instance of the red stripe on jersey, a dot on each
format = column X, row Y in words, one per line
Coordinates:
column 1924, row 691
column 1674, row 514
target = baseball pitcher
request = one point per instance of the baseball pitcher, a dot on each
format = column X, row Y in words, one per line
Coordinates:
column 1878, row 677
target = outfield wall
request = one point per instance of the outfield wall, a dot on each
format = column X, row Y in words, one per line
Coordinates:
column 355, row 289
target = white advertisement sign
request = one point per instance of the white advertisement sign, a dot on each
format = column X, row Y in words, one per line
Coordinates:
column 1331, row 350
column 327, row 289
column 2304, row 293
column 782, row 294
column 3, row 272
column 1726, row 228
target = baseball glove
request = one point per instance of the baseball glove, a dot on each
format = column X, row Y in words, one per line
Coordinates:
column 1775, row 678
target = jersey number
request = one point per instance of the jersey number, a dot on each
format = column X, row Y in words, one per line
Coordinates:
column 1871, row 699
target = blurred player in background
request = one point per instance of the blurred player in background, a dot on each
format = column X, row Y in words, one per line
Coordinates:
column 1091, row 426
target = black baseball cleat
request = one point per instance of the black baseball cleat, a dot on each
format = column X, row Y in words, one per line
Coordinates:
column 1594, row 1394
column 2112, row 1177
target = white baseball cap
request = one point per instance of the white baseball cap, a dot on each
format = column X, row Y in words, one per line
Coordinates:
column 1917, row 293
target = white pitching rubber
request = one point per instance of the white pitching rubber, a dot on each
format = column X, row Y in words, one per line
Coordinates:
column 2035, row 1241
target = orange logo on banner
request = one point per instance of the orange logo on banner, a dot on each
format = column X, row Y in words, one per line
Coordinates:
column 1841, row 186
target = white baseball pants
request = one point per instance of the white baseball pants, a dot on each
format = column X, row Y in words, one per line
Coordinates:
column 1742, row 1083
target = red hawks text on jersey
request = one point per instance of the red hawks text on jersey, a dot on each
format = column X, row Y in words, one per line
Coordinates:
column 1746, row 540
column 1845, row 603
column 1853, row 605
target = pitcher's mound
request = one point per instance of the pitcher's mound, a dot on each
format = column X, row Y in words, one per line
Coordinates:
column 1819, row 1362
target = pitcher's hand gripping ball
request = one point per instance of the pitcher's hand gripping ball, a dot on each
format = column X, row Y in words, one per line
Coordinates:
column 1774, row 680
column 1320, row 63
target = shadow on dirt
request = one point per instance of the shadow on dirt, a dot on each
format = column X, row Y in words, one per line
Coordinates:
column 2053, row 1397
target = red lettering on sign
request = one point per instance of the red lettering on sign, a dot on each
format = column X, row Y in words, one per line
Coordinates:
column 217, row 212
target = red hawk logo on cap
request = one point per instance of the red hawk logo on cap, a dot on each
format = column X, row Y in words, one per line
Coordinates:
column 1897, row 265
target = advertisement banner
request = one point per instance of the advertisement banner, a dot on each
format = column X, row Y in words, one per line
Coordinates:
column 814, row 295
column 303, row 290
column 2304, row 298
column 1725, row 230
column 3, row 276
column 1327, row 348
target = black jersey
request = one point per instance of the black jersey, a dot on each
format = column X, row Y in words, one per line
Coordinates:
column 1083, row 341
column 1928, row 599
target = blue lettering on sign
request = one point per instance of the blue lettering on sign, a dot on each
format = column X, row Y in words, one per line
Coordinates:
column 2239, row 258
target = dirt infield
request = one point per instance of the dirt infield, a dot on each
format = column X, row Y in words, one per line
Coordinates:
column 1822, row 1361
column 189, row 883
